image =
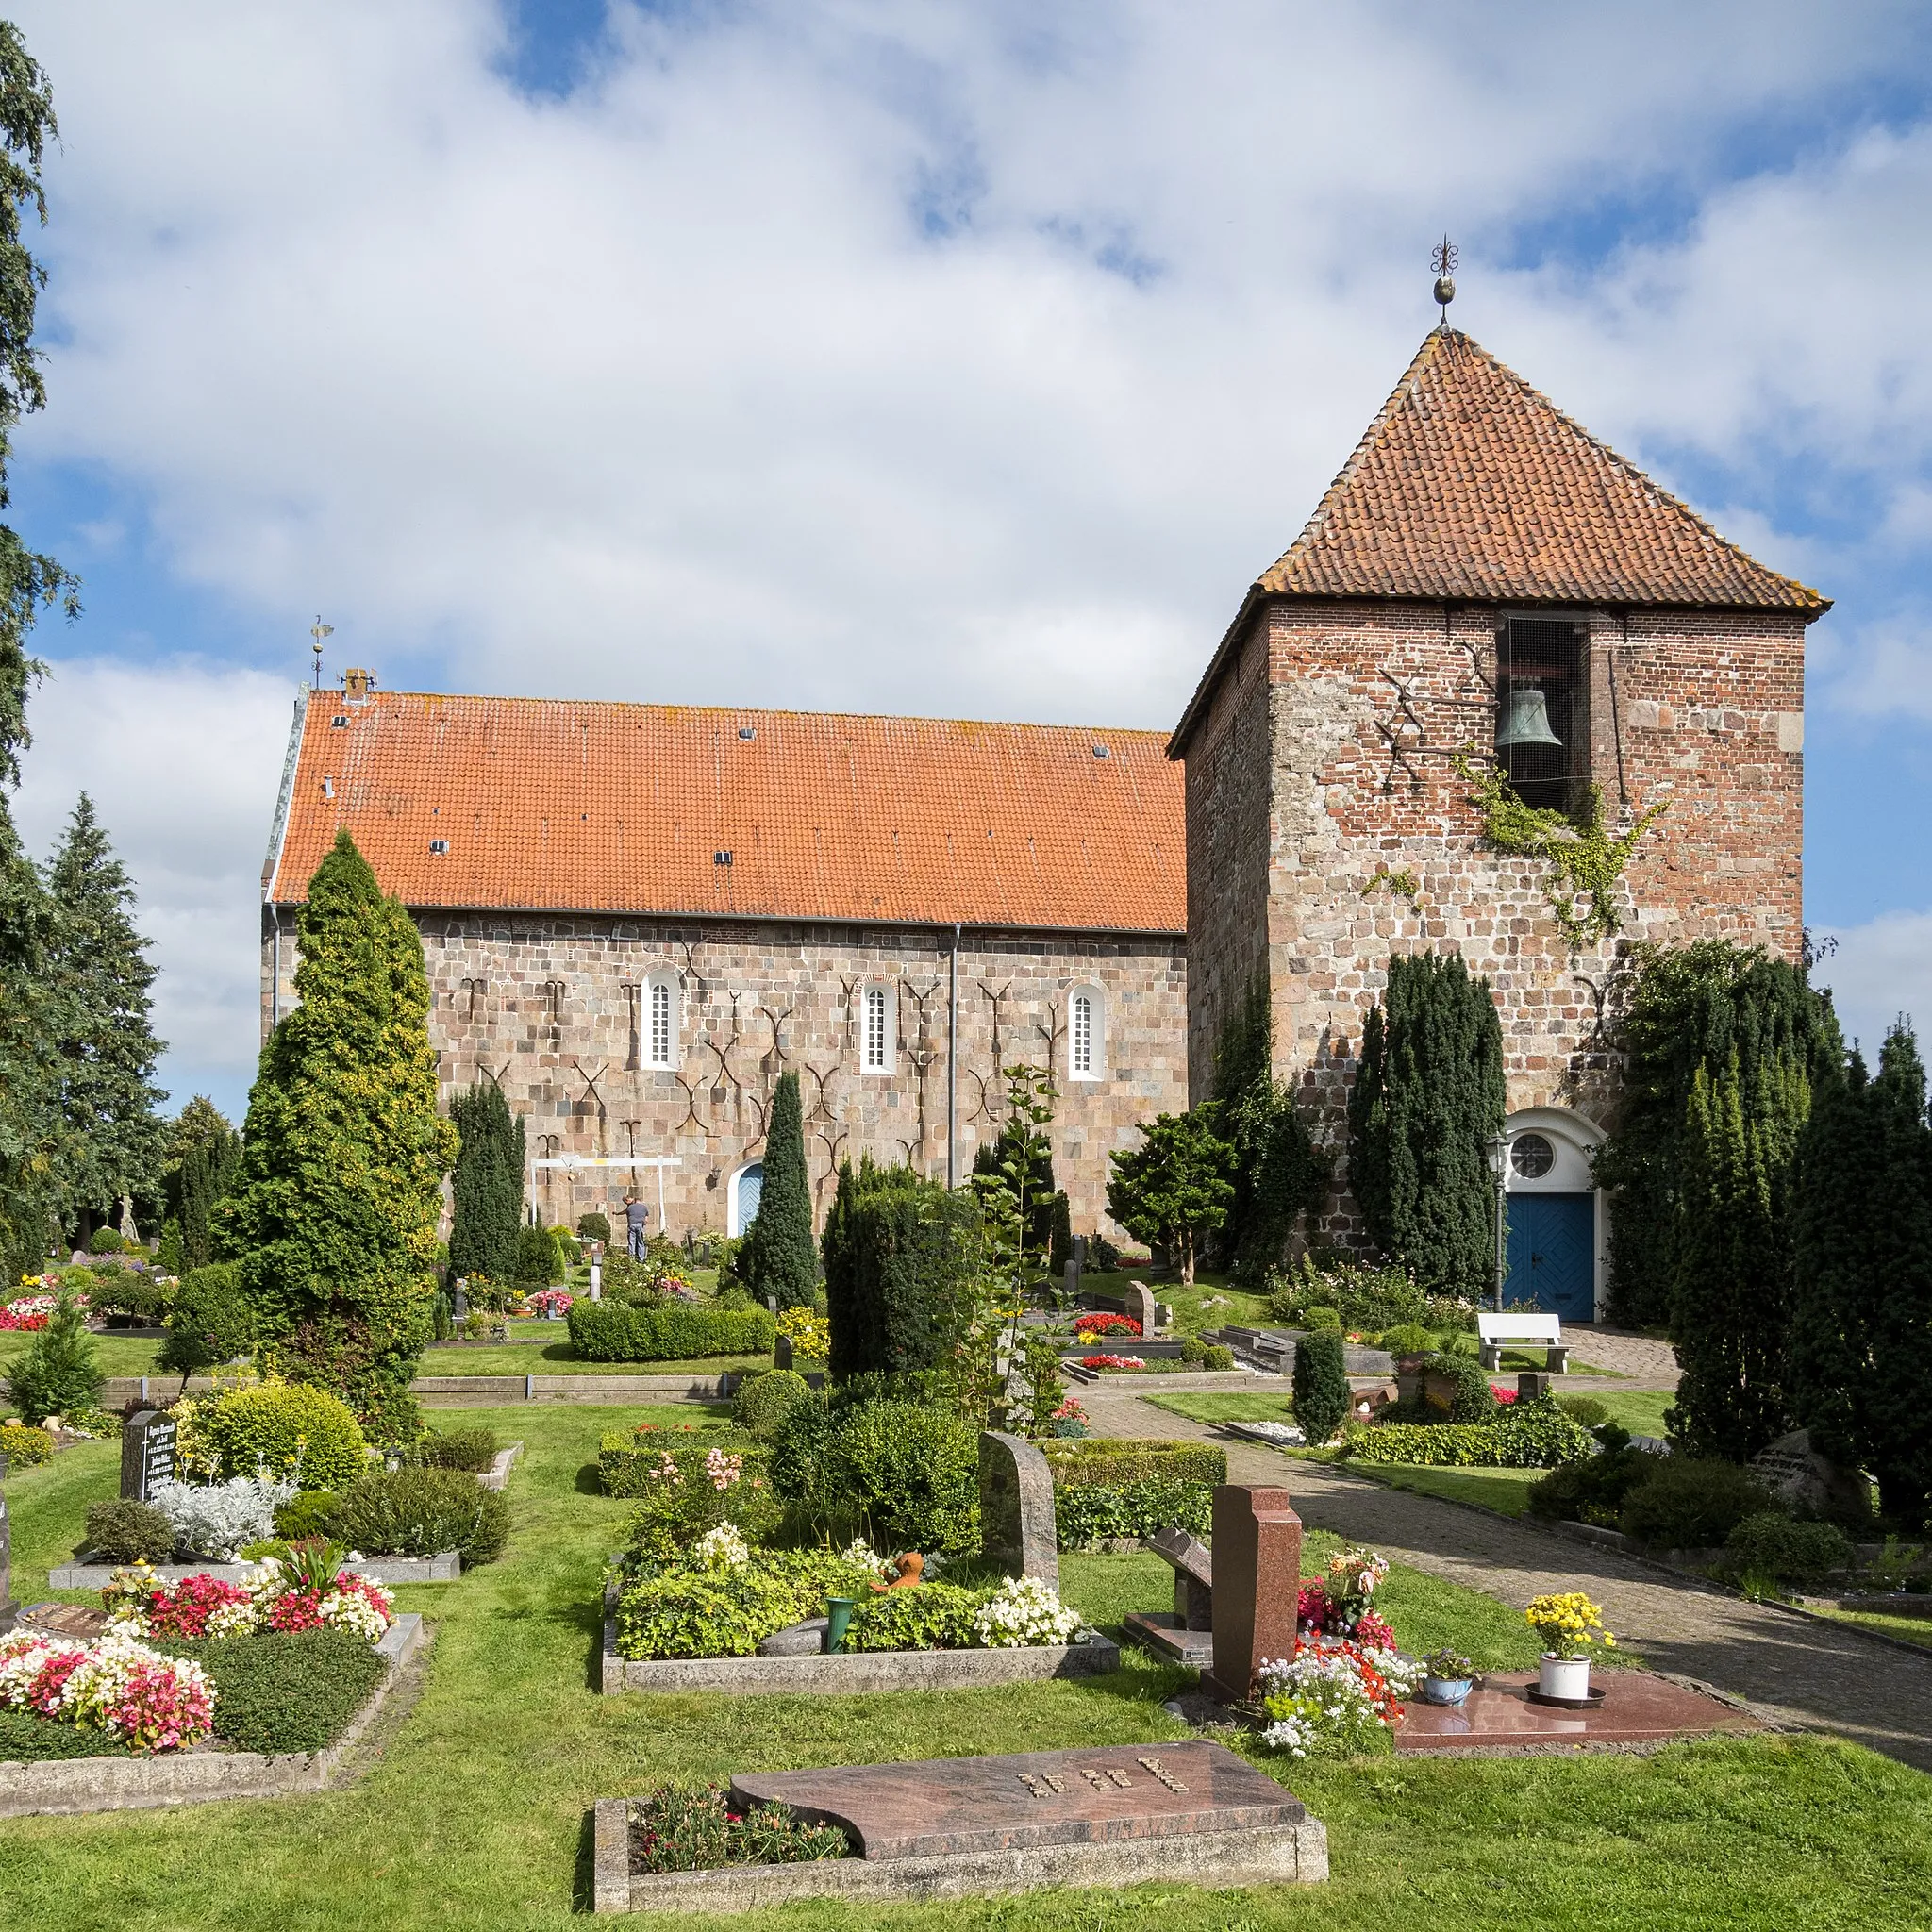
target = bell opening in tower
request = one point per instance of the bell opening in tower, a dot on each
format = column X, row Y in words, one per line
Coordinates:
column 1543, row 710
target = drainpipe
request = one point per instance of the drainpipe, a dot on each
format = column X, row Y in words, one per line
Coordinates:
column 952, row 1067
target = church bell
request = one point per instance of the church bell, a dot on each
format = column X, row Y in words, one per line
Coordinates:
column 1529, row 723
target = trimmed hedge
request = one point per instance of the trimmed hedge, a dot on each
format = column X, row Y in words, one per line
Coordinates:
column 421, row 1513
column 626, row 1456
column 1534, row 1435
column 290, row 1427
column 666, row 1332
column 1089, row 1514
column 282, row 1690
column 1086, row 1461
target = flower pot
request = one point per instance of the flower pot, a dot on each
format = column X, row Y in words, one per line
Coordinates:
column 1567, row 1678
column 1445, row 1689
column 837, row 1615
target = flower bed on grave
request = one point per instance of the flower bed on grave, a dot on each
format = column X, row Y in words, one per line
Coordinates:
column 280, row 1665
column 1532, row 1435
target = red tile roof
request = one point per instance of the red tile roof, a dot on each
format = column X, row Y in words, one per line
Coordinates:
column 1471, row 487
column 559, row 806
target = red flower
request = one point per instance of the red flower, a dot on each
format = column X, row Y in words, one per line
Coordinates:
column 300, row 1610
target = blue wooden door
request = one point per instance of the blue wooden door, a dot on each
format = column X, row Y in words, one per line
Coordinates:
column 1553, row 1255
column 751, row 1187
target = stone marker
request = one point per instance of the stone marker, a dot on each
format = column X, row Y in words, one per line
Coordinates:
column 951, row 1805
column 1142, row 1306
column 1070, row 1280
column 1811, row 1482
column 1532, row 1383
column 796, row 1640
column 147, row 1452
column 1258, row 1571
column 7, row 1606
column 1016, row 1526
column 1193, row 1576
column 459, row 1300
column 781, row 1351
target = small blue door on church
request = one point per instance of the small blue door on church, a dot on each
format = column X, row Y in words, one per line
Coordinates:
column 751, row 1187
column 1551, row 1255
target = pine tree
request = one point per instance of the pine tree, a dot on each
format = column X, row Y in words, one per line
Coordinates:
column 1427, row 1095
column 1731, row 1301
column 334, row 1215
column 33, row 1201
column 112, row 1139
column 1691, row 1006
column 1173, row 1188
column 60, row 1371
column 779, row 1257
column 1279, row 1173
column 488, row 1186
column 1859, row 1373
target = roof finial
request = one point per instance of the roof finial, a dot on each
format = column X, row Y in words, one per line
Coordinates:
column 319, row 630
column 1443, row 260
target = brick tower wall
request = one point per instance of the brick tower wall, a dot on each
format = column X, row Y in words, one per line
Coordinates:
column 1699, row 711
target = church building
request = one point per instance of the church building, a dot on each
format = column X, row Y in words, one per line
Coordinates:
column 638, row 917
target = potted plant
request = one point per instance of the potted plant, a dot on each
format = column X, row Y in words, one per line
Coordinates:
column 1447, row 1677
column 1569, row 1625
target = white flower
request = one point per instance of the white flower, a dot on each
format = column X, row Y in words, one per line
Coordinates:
column 860, row 1551
column 1025, row 1612
column 721, row 1548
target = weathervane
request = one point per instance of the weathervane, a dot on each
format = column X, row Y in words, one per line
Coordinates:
column 319, row 630
column 1442, row 258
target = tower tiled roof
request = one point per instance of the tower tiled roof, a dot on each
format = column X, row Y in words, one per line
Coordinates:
column 1471, row 487
column 563, row 806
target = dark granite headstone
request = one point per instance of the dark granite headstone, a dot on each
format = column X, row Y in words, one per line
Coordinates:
column 1096, row 1794
column 147, row 1452
column 1193, row 1576
column 1806, row 1480
column 781, row 1351
column 1016, row 1523
column 1258, row 1571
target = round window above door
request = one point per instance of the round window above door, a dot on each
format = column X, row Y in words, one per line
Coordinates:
column 1531, row 1156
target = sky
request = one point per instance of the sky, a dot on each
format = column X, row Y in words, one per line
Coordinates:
column 960, row 358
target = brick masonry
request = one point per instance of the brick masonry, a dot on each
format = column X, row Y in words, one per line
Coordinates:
column 1295, row 801
column 551, row 1008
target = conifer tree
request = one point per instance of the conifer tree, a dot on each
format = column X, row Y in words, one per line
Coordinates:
column 32, row 1197
column 1321, row 1384
column 60, row 1371
column 488, row 1185
column 334, row 1215
column 1731, row 1300
column 1173, row 1188
column 114, row 1139
column 779, row 1257
column 1427, row 1095
column 203, row 1154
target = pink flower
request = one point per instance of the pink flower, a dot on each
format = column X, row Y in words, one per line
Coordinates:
column 300, row 1610
column 1501, row 1393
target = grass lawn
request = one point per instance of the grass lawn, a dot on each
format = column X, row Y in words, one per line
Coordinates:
column 1211, row 1406
column 1913, row 1629
column 1501, row 1489
column 476, row 1816
column 1640, row 1410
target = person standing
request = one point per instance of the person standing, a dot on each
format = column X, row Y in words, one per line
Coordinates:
column 635, row 1217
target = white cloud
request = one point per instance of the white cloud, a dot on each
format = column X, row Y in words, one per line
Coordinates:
column 1880, row 971
column 183, row 761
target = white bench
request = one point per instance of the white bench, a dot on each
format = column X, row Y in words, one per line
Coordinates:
column 1545, row 1331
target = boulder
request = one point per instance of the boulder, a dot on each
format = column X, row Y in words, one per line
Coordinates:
column 1805, row 1480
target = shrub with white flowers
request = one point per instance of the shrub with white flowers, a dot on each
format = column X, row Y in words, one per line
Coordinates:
column 1024, row 1612
column 721, row 1549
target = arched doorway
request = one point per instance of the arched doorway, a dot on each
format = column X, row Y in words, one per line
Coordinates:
column 1557, row 1224
column 741, row 1204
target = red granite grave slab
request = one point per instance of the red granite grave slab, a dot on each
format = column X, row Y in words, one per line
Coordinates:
column 958, row 1804
column 1637, row 1708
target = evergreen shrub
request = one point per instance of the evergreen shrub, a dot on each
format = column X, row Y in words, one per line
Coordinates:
column 289, row 1428
column 926, row 1616
column 911, row 1473
column 1407, row 1339
column 1321, row 1384
column 595, row 1227
column 1687, row 1504
column 104, row 1240
column 308, row 1513
column 1091, row 1514
column 60, row 1370
column 1771, row 1544
column 473, row 1450
column 536, row 1263
column 1336, row 1294
column 1113, row 1462
column 213, row 1321
column 421, row 1513
column 1473, row 1400
column 1592, row 1488
column 727, row 1613
column 1532, row 1435
column 128, row 1532
column 487, row 1185
column 1586, row 1409
column 763, row 1401
column 779, row 1257
column 666, row 1332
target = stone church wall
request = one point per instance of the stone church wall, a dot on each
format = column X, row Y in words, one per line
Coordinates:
column 1702, row 711
column 552, row 1008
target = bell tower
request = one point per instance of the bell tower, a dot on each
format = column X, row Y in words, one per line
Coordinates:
column 1494, row 637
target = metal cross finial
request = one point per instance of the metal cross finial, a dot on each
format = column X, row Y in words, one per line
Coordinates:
column 1442, row 258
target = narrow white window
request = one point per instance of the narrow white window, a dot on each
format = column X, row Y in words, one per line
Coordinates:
column 1084, row 1034
column 660, row 1021
column 877, row 1030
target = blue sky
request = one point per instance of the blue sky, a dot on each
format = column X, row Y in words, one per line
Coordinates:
column 958, row 358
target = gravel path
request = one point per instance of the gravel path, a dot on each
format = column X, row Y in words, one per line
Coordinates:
column 1792, row 1669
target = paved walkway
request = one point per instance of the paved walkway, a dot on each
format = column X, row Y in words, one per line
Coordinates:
column 1793, row 1670
column 1644, row 1363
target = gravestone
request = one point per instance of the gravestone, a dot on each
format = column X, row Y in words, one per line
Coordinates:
column 1104, row 1792
column 459, row 1300
column 1070, row 1279
column 147, row 1452
column 1811, row 1482
column 1016, row 1525
column 1193, row 1576
column 1532, row 1383
column 9, row 1609
column 781, row 1352
column 1258, row 1572
column 1142, row 1306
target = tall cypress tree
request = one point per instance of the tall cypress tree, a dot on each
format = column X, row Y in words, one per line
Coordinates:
column 344, row 1153
column 203, row 1154
column 488, row 1185
column 1731, row 1298
column 32, row 1196
column 114, row 1139
column 779, row 1257
column 1860, row 1375
column 1427, row 1095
